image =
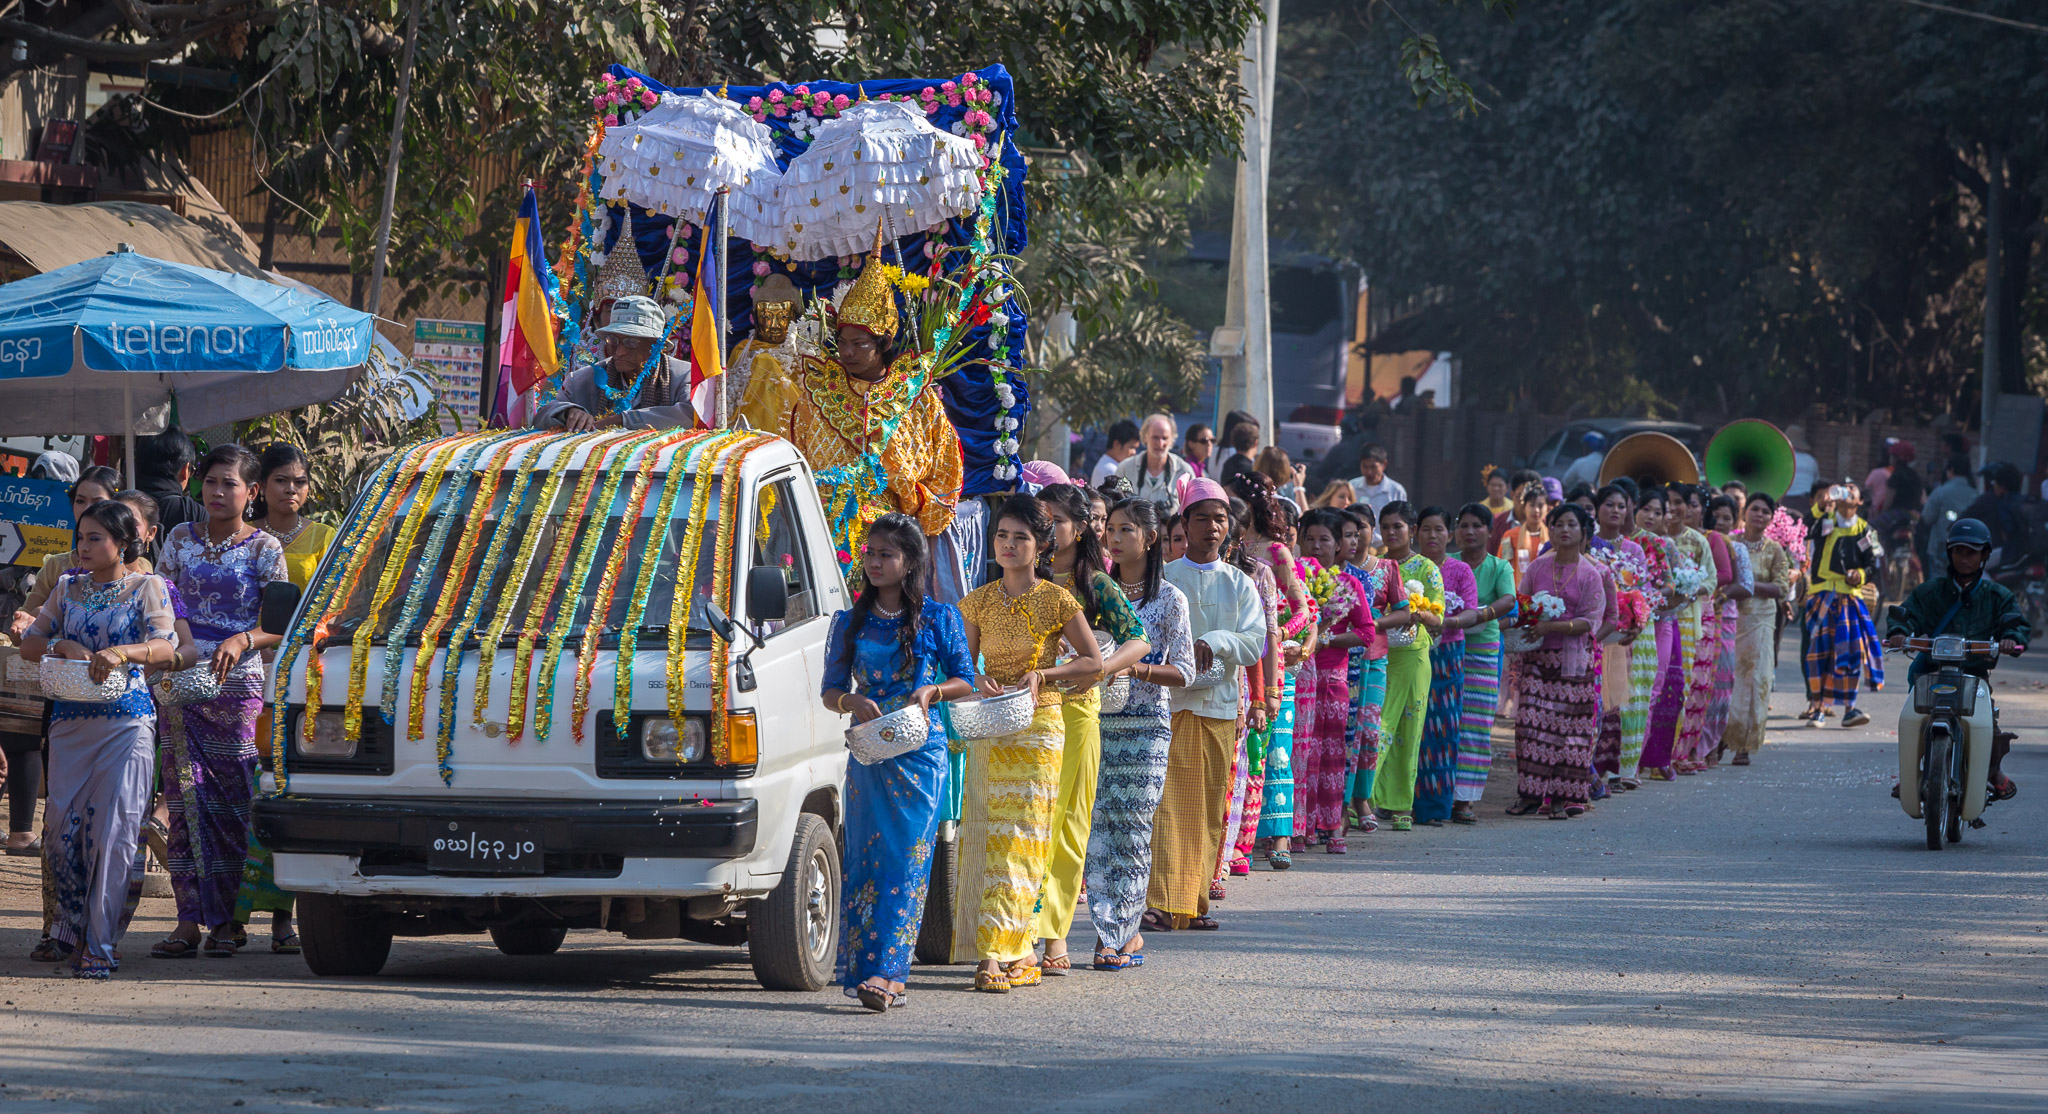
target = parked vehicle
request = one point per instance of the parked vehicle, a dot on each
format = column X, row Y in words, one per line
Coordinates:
column 710, row 819
column 1568, row 443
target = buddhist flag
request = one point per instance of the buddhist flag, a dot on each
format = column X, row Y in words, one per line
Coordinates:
column 707, row 356
column 527, row 352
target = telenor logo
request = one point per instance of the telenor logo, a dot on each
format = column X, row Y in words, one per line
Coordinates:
column 179, row 340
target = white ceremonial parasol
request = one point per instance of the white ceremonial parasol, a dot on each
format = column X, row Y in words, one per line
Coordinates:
column 877, row 158
column 677, row 156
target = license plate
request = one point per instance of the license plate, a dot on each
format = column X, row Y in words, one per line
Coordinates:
column 485, row 848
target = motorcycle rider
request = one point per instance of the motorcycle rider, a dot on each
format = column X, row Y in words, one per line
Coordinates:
column 1971, row 605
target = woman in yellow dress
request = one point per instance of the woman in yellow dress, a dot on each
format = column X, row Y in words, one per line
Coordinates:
column 282, row 492
column 1014, row 628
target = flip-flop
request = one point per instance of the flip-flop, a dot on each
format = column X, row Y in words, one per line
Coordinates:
column 1056, row 965
column 32, row 847
column 1203, row 924
column 288, row 944
column 173, row 947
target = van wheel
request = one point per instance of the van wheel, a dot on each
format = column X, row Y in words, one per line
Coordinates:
column 528, row 939
column 343, row 937
column 935, row 932
column 793, row 932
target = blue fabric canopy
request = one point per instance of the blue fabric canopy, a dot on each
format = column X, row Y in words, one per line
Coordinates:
column 130, row 313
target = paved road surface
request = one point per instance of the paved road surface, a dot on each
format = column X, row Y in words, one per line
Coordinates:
column 1770, row 938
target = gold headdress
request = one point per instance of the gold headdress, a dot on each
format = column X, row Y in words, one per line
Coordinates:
column 871, row 304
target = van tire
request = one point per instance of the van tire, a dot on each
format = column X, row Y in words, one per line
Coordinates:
column 341, row 937
column 793, row 933
column 528, row 939
column 935, row 932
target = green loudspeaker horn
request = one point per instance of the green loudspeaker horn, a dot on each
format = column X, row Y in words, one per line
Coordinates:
column 1752, row 452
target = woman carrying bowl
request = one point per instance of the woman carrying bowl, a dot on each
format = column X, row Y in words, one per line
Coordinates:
column 1014, row 628
column 100, row 750
column 890, row 651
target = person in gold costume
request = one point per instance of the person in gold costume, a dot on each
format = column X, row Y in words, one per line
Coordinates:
column 763, row 365
column 870, row 422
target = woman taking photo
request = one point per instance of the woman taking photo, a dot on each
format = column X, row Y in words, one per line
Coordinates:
column 219, row 568
column 1756, row 632
column 1014, row 625
column 891, row 649
column 1077, row 566
column 1560, row 712
column 1319, row 767
column 1494, row 584
column 100, row 753
column 1401, row 720
column 1135, row 740
column 1436, row 764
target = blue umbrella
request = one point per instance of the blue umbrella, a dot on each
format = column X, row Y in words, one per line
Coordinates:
column 80, row 346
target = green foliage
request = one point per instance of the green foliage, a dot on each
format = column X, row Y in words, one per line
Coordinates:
column 1739, row 205
column 1150, row 360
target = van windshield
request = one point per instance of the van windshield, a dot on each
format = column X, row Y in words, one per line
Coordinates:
column 502, row 583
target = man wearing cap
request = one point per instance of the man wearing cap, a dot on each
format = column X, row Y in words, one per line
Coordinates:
column 1586, row 469
column 1229, row 624
column 1968, row 604
column 587, row 402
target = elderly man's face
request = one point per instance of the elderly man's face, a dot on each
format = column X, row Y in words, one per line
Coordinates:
column 627, row 355
column 1158, row 437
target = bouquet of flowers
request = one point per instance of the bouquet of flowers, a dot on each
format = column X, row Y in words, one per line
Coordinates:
column 1788, row 531
column 1293, row 622
column 1320, row 582
column 1529, row 611
column 1634, row 608
column 1690, row 580
column 1418, row 599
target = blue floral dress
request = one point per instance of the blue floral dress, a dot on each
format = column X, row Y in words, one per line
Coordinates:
column 100, row 758
column 892, row 807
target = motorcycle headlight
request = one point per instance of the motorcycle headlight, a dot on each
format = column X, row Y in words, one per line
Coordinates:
column 664, row 740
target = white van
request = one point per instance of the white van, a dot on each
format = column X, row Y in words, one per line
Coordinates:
column 650, row 834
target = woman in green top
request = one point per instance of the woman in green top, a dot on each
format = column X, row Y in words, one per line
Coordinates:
column 1393, row 788
column 1496, row 601
column 1077, row 566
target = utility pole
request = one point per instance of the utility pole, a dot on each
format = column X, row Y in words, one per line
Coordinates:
column 1245, row 341
column 1994, row 285
column 392, row 158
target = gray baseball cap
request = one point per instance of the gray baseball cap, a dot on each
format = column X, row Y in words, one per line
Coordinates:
column 635, row 317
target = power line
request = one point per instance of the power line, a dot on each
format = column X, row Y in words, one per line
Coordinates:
column 2039, row 29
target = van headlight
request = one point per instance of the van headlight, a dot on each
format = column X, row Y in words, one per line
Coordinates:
column 664, row 740
column 329, row 739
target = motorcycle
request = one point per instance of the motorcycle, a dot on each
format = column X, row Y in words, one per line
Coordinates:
column 1946, row 731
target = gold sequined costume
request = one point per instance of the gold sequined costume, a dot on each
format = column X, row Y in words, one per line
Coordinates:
column 837, row 419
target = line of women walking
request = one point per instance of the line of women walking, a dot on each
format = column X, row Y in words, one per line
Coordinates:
column 196, row 607
column 1292, row 678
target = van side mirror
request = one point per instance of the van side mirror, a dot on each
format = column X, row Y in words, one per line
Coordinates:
column 767, row 594
column 280, row 601
column 721, row 623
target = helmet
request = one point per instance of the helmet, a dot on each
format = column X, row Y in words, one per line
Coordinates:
column 1594, row 440
column 1969, row 532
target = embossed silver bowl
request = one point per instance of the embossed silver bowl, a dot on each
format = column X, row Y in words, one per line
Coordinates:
column 886, row 736
column 196, row 685
column 991, row 717
column 63, row 679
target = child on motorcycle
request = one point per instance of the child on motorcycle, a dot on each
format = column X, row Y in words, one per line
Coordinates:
column 1968, row 604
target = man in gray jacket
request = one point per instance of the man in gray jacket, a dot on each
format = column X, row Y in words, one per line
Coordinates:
column 663, row 402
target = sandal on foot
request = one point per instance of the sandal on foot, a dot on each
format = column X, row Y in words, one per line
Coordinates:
column 215, row 947
column 1631, row 783
column 991, row 982
column 1404, row 822
column 1216, row 892
column 2004, row 789
column 1133, row 959
column 1524, row 807
column 173, row 947
column 1282, row 860
column 288, row 944
column 1337, row 846
column 1242, row 868
column 50, row 950
column 1462, row 813
column 1739, row 760
column 1571, row 812
column 1056, row 964
column 1203, row 924
column 92, row 967
column 1155, row 921
column 32, row 847
column 1107, row 960
column 1023, row 974
column 877, row 998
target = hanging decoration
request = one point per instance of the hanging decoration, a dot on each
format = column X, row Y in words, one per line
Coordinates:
column 674, row 159
column 876, row 160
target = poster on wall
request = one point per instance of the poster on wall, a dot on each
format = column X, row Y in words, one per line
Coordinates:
column 35, row 519
column 454, row 349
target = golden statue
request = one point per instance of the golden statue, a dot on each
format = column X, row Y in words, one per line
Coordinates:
column 763, row 366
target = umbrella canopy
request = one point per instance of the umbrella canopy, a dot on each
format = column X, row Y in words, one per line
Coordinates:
column 82, row 346
column 673, row 159
column 877, row 159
